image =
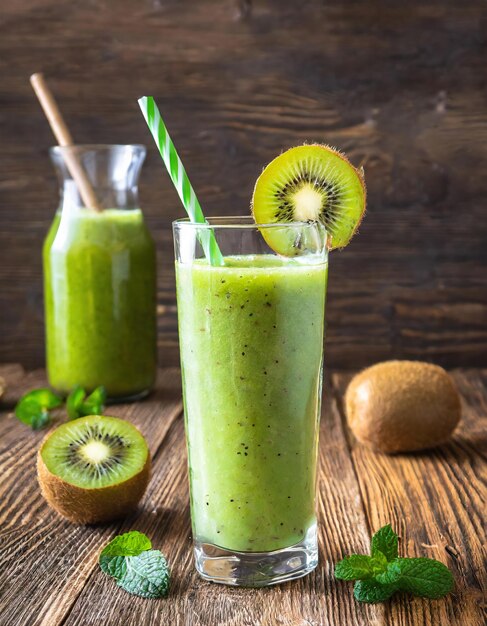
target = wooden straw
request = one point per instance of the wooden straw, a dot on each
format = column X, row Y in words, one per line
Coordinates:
column 64, row 139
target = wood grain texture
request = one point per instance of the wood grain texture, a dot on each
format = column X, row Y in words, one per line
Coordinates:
column 315, row 598
column 436, row 500
column 45, row 561
column 399, row 86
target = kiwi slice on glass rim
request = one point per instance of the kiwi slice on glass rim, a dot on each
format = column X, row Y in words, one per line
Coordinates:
column 310, row 183
column 93, row 469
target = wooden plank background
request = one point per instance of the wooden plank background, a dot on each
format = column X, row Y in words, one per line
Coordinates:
column 400, row 86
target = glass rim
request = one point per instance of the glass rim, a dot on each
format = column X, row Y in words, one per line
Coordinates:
column 240, row 222
column 97, row 146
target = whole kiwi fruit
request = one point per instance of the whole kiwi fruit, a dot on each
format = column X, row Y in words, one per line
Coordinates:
column 93, row 469
column 402, row 406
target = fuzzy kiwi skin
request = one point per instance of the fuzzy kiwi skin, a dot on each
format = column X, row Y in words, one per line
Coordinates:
column 89, row 506
column 402, row 406
column 360, row 174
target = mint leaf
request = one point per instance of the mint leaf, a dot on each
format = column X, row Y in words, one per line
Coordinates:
column 128, row 544
column 95, row 403
column 31, row 413
column 33, row 408
column 360, row 567
column 385, row 541
column 372, row 591
column 390, row 575
column 146, row 575
column 135, row 566
column 78, row 405
column 44, row 397
column 112, row 557
column 74, row 401
column 424, row 577
column 379, row 563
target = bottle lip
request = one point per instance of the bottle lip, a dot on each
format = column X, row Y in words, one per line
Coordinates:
column 97, row 147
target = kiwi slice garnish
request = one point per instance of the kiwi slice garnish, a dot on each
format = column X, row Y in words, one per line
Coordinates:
column 94, row 468
column 310, row 183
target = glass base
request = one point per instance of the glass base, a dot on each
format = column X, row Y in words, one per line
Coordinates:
column 134, row 397
column 257, row 569
column 120, row 399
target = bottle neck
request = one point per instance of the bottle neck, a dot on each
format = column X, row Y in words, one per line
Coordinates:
column 123, row 199
column 112, row 171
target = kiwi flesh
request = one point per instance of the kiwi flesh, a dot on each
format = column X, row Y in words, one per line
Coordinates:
column 402, row 406
column 310, row 183
column 93, row 469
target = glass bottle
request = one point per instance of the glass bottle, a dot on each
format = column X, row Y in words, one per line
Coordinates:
column 100, row 278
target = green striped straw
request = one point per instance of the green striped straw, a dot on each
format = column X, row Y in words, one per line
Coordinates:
column 180, row 179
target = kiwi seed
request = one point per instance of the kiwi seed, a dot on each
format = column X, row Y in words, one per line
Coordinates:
column 93, row 469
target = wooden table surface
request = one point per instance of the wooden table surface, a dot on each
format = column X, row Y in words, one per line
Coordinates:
column 436, row 502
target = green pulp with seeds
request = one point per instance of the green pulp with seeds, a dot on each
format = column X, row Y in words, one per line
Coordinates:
column 251, row 337
column 100, row 291
column 94, row 453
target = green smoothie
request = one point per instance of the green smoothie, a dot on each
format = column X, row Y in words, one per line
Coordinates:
column 251, row 337
column 99, row 288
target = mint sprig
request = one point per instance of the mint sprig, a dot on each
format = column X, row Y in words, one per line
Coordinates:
column 136, row 568
column 383, row 573
column 78, row 405
column 360, row 567
column 33, row 408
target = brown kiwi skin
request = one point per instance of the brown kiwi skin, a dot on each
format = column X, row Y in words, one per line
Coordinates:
column 360, row 173
column 90, row 506
column 402, row 406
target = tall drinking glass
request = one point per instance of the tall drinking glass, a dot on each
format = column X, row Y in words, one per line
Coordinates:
column 251, row 340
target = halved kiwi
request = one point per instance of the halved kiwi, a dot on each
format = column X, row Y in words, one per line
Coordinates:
column 93, row 469
column 310, row 183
